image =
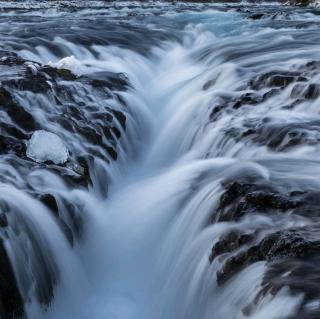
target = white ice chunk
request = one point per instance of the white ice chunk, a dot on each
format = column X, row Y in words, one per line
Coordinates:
column 46, row 146
column 70, row 63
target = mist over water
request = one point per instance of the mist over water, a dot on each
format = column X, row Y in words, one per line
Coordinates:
column 221, row 137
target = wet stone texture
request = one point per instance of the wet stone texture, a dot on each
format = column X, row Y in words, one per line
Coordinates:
column 89, row 113
column 276, row 134
column 292, row 254
column 98, row 128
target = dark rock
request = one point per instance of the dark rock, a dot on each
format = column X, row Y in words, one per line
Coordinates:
column 120, row 116
column 216, row 112
column 293, row 262
column 241, row 199
column 61, row 73
column 246, row 99
column 301, row 275
column 3, row 145
column 309, row 204
column 12, row 145
column 312, row 91
column 275, row 79
column 83, row 161
column 111, row 151
column 69, row 231
column 313, row 65
column 74, row 211
column 90, row 134
column 113, row 81
column 50, row 202
column 283, row 136
column 11, row 130
column 20, row 116
column 302, row 3
column 11, row 302
column 3, row 220
column 229, row 243
column 292, row 254
column 32, row 83
column 16, row 112
column 116, row 132
column 285, row 244
column 256, row 16
column 5, row 97
column 10, row 59
column 278, row 136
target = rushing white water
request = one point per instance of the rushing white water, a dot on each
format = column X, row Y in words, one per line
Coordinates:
column 146, row 246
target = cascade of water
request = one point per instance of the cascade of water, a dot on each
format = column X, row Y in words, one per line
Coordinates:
column 220, row 139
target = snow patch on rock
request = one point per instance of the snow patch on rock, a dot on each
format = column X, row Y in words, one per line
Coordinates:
column 46, row 146
column 70, row 63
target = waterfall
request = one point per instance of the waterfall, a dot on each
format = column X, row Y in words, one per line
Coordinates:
column 189, row 188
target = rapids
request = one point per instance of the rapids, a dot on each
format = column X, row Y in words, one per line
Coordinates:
column 221, row 136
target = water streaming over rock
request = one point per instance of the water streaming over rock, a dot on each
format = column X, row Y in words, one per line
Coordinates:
column 188, row 185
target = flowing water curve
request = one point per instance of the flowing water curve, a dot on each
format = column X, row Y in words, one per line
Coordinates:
column 208, row 103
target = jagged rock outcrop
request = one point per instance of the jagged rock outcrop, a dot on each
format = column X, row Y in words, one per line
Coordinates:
column 32, row 97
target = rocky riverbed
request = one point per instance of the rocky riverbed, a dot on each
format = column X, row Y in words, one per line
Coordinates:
column 159, row 160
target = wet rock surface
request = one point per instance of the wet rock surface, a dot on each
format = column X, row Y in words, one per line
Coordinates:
column 100, row 126
column 29, row 93
column 273, row 220
column 242, row 199
column 87, row 108
column 11, row 303
column 292, row 254
column 276, row 134
column 287, row 244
